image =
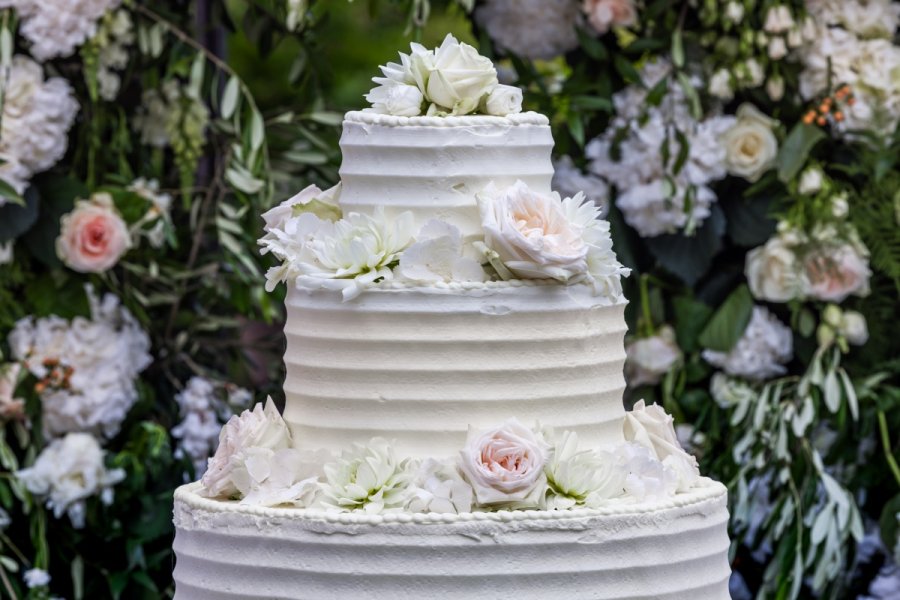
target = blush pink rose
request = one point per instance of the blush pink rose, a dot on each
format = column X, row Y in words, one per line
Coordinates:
column 93, row 237
column 604, row 14
column 832, row 274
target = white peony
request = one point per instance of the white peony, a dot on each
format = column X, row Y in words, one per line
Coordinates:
column 438, row 487
column 279, row 477
column 650, row 358
column 353, row 253
column 653, row 428
column 505, row 465
column 457, row 77
column 86, row 368
column 368, row 478
column 56, row 28
column 578, row 477
column 11, row 407
column 36, row 578
column 750, row 144
column 761, row 352
column 37, row 115
column 68, row 472
column 773, row 270
column 531, row 28
column 260, row 428
column 503, row 100
column 648, row 479
column 833, row 272
column 437, row 256
column 400, row 99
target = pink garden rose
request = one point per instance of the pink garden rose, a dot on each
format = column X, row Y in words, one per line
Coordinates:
column 834, row 273
column 604, row 14
column 505, row 465
column 94, row 236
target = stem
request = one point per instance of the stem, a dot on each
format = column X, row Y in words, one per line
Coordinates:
column 647, row 325
column 886, row 445
column 7, row 584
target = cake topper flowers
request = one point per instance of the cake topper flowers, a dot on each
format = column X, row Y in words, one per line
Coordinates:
column 452, row 79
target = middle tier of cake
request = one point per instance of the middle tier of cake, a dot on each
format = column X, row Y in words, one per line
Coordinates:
column 419, row 365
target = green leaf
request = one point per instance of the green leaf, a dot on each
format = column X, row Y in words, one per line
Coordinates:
column 197, row 71
column 691, row 317
column 748, row 221
column 257, row 131
column 576, row 128
column 795, row 150
column 331, row 119
column 678, row 48
column 691, row 94
column 592, row 103
column 230, row 97
column 627, row 70
column 591, row 45
column 689, row 257
column 15, row 219
column 728, row 324
column 888, row 523
column 9, row 193
column 78, row 577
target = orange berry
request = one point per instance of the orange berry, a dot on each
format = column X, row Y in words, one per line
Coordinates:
column 822, row 121
column 851, row 100
column 39, row 387
column 808, row 118
column 838, row 116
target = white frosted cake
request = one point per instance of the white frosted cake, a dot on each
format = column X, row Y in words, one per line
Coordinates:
column 454, row 425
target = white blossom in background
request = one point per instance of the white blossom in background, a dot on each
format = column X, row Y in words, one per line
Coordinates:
column 368, row 477
column 568, row 180
column 86, row 368
column 202, row 414
column 56, row 28
column 11, row 407
column 773, row 269
column 886, row 585
column 729, row 392
column 648, row 202
column 68, row 472
column 6, row 250
column 836, row 270
column 531, row 28
column 750, row 144
column 152, row 224
column 150, row 120
column 115, row 35
column 437, row 256
column 650, row 358
column 761, row 352
column 438, row 487
column 866, row 18
column 36, row 578
column 606, row 14
column 37, row 115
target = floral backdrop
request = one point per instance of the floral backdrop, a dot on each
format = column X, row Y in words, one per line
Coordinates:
column 744, row 151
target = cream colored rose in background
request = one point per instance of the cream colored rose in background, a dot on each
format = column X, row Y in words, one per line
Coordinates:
column 93, row 236
column 650, row 358
column 654, row 429
column 773, row 271
column 505, row 465
column 457, row 76
column 606, row 14
column 750, row 145
column 833, row 273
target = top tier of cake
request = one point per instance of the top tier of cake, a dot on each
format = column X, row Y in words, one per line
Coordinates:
column 434, row 166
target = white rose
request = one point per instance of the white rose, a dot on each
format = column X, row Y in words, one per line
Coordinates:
column 650, row 358
column 436, row 256
column 261, row 428
column 578, row 477
column 651, row 427
column 777, row 48
column 832, row 273
column 93, row 237
column 778, row 19
column 531, row 233
column 505, row 465
column 751, row 146
column 398, row 99
column 458, row 77
column 854, row 328
column 503, row 100
column 720, row 85
column 773, row 271
column 811, row 181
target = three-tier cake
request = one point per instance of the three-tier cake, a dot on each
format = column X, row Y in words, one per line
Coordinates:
column 454, row 425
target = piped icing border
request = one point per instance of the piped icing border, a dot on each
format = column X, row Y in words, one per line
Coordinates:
column 707, row 489
column 374, row 118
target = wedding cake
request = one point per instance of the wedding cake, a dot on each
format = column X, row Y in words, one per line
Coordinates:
column 454, row 425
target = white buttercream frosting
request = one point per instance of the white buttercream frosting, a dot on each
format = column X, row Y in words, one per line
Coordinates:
column 672, row 549
column 421, row 365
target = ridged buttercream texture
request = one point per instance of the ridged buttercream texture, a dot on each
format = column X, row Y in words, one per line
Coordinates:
column 435, row 171
column 419, row 365
column 676, row 550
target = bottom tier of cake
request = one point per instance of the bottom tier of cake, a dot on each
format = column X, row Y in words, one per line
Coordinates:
column 674, row 549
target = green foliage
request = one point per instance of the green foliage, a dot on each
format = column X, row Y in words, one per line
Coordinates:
column 729, row 322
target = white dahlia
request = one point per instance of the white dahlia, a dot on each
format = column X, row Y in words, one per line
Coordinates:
column 368, row 477
column 578, row 477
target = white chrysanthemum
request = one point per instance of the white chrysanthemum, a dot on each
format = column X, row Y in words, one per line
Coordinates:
column 653, row 199
column 68, row 472
column 202, row 414
column 568, row 180
column 761, row 352
column 581, row 477
column 352, row 253
column 531, row 28
column 87, row 367
column 438, row 487
column 650, row 358
column 56, row 28
column 437, row 256
column 37, row 115
column 368, row 477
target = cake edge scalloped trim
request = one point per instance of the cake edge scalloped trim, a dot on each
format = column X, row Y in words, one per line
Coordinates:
column 365, row 117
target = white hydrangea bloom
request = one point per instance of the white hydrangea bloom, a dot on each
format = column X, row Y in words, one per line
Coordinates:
column 202, row 414
column 761, row 352
column 368, row 477
column 647, row 201
column 438, row 487
column 650, row 358
column 568, row 180
column 531, row 28
column 87, row 367
column 68, row 472
column 56, row 28
column 578, row 477
column 37, row 115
